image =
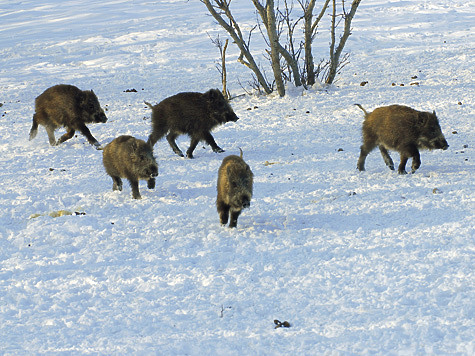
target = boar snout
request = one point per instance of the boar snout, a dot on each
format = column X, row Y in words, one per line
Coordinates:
column 442, row 144
column 246, row 202
column 152, row 172
column 100, row 118
column 231, row 116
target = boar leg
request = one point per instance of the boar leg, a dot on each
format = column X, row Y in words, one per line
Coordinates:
column 85, row 131
column 416, row 161
column 210, row 141
column 117, row 183
column 171, row 137
column 410, row 151
column 134, row 184
column 234, row 216
column 51, row 138
column 194, row 142
column 151, row 183
column 69, row 134
column 365, row 150
column 223, row 210
column 387, row 158
column 157, row 134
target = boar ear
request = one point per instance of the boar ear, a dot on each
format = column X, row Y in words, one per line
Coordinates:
column 213, row 94
column 422, row 118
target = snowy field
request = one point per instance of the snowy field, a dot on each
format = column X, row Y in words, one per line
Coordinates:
column 368, row 263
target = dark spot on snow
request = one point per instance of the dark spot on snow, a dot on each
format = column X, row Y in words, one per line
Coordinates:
column 133, row 90
column 279, row 324
column 363, row 83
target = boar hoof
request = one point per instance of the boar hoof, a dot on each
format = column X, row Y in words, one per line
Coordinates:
column 402, row 172
column 218, row 150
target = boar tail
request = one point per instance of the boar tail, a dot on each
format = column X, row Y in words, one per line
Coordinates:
column 241, row 152
column 34, row 128
column 365, row 112
column 148, row 104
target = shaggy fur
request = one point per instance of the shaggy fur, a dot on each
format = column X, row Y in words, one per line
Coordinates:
column 402, row 129
column 131, row 158
column 194, row 114
column 68, row 106
column 235, row 180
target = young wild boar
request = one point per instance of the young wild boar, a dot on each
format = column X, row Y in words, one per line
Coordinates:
column 194, row 114
column 401, row 129
column 234, row 188
column 131, row 158
column 68, row 106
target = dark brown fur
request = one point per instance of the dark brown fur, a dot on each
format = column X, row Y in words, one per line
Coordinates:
column 68, row 106
column 235, row 180
column 194, row 114
column 131, row 158
column 402, row 129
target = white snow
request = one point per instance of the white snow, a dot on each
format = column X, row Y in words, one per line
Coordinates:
column 368, row 263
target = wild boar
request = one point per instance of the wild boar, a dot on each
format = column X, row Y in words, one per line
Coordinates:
column 131, row 158
column 68, row 106
column 194, row 114
column 402, row 129
column 235, row 180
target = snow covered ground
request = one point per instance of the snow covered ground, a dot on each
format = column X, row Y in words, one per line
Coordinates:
column 368, row 263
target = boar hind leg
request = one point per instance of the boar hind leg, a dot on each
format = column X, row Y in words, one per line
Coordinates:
column 387, row 158
column 157, row 134
column 171, row 137
column 365, row 150
column 68, row 135
column 223, row 210
column 51, row 138
column 210, row 141
column 117, row 184
column 234, row 218
column 134, row 184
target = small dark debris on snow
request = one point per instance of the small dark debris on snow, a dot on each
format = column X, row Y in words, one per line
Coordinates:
column 340, row 149
column 459, row 103
column 133, row 90
column 79, row 213
column 454, row 132
column 362, row 84
column 279, row 324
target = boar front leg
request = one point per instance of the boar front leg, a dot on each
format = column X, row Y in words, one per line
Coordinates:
column 223, row 210
column 410, row 151
column 210, row 141
column 234, row 217
column 85, row 131
column 134, row 184
column 117, row 184
column 194, row 142
column 151, row 183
